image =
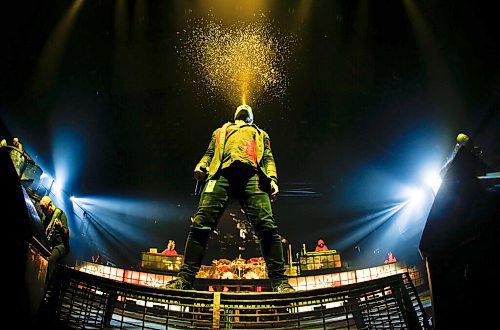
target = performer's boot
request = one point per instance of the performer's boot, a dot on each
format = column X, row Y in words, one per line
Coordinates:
column 193, row 255
column 282, row 286
column 178, row 284
column 272, row 251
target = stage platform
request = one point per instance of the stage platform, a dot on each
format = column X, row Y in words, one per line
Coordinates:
column 80, row 300
column 311, row 280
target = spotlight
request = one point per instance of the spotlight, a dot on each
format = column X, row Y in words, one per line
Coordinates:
column 56, row 187
column 433, row 180
column 416, row 195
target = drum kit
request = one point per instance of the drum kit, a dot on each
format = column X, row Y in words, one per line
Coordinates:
column 239, row 268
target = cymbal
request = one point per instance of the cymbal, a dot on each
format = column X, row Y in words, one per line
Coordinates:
column 255, row 260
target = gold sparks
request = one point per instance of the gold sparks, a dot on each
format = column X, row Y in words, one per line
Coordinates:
column 242, row 63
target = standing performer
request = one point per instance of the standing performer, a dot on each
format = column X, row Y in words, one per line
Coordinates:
column 57, row 231
column 237, row 164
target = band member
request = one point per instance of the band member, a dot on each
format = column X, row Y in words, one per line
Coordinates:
column 56, row 228
column 17, row 144
column 321, row 246
column 390, row 258
column 170, row 249
column 238, row 164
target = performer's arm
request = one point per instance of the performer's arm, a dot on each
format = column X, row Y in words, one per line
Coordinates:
column 204, row 162
column 270, row 167
column 62, row 225
column 64, row 222
column 268, row 159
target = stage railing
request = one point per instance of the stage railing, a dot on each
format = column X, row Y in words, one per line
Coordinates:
column 79, row 300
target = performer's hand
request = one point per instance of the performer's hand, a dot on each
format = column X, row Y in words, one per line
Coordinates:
column 200, row 173
column 57, row 223
column 274, row 190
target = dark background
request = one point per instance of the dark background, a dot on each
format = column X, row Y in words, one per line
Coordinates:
column 377, row 91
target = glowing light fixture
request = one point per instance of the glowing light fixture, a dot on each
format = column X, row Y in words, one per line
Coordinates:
column 433, row 180
column 416, row 195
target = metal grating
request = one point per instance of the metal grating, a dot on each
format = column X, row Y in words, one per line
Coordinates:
column 84, row 301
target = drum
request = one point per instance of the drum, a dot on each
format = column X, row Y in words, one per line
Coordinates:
column 222, row 266
column 256, row 261
column 228, row 275
column 251, row 275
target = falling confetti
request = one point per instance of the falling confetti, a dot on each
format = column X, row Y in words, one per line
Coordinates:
column 241, row 63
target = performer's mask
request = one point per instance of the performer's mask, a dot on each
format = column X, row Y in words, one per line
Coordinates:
column 244, row 112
